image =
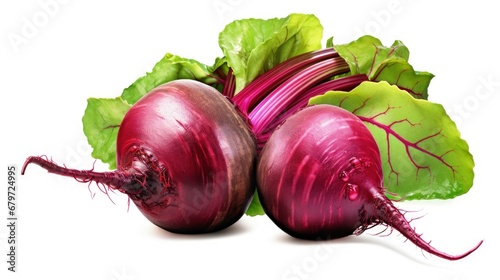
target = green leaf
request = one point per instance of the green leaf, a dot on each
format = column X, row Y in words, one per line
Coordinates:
column 253, row 46
column 101, row 121
column 170, row 67
column 422, row 153
column 329, row 42
column 255, row 208
column 367, row 55
column 397, row 71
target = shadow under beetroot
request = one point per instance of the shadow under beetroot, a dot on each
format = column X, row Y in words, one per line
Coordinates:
column 233, row 230
column 419, row 257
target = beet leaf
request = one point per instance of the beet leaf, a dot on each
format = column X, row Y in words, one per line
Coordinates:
column 367, row 55
column 170, row 67
column 101, row 121
column 422, row 152
column 253, row 46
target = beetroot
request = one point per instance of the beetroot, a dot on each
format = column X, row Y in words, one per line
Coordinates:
column 320, row 177
column 185, row 157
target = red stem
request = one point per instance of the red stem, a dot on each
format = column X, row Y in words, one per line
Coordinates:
column 230, row 84
column 280, row 98
column 260, row 87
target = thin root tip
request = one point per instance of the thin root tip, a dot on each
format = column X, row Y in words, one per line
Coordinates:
column 458, row 257
column 26, row 163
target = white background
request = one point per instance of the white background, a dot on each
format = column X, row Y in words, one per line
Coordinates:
column 81, row 49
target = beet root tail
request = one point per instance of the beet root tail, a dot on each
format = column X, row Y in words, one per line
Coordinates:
column 392, row 216
column 112, row 179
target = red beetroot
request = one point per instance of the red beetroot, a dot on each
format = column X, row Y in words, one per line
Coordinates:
column 320, row 177
column 185, row 157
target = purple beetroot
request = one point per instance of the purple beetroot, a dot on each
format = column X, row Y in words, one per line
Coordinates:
column 185, row 157
column 319, row 176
